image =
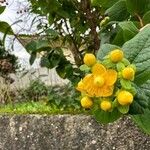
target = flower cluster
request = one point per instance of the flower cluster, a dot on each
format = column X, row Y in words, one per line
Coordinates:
column 108, row 83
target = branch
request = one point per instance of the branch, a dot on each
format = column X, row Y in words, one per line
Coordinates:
column 140, row 20
column 91, row 19
column 74, row 49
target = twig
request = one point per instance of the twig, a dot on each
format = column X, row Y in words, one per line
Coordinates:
column 140, row 19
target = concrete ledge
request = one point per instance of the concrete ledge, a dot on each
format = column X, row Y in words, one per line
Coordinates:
column 68, row 132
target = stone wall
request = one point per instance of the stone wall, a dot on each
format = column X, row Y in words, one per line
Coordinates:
column 69, row 132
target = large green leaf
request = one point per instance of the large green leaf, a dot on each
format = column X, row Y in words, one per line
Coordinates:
column 143, row 121
column 146, row 88
column 115, row 12
column 127, row 30
column 142, row 77
column 138, row 6
column 137, row 50
column 5, row 28
column 106, row 117
column 104, row 50
column 146, row 18
column 118, row 39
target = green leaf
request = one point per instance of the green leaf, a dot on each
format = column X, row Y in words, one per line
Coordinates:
column 143, row 121
column 123, row 109
column 2, row 8
column 135, row 108
column 126, row 31
column 109, row 64
column 84, row 68
column 32, row 58
column 120, row 66
column 142, row 77
column 5, row 28
column 104, row 50
column 31, row 47
column 51, row 33
column 126, row 84
column 45, row 62
column 138, row 6
column 115, row 12
column 146, row 88
column 125, row 62
column 146, row 18
column 118, row 39
column 141, row 102
column 137, row 51
column 103, row 3
column 106, row 117
column 129, row 29
column 37, row 46
column 142, row 98
column 41, row 44
column 50, row 19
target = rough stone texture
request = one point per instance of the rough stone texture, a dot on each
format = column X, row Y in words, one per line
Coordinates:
column 69, row 132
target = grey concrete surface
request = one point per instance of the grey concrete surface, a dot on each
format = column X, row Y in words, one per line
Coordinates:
column 69, row 132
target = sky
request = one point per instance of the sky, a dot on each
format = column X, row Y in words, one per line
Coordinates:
column 10, row 15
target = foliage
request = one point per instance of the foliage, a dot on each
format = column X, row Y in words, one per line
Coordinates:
column 35, row 108
column 88, row 25
column 8, row 62
column 83, row 26
column 64, row 97
column 61, row 97
column 35, row 90
column 137, row 52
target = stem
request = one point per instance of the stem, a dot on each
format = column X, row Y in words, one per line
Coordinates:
column 91, row 18
column 140, row 19
column 73, row 48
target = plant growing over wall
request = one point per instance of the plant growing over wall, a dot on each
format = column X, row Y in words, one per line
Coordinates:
column 117, row 82
column 92, row 27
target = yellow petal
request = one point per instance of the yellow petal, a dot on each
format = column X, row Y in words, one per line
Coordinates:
column 98, row 69
column 80, row 86
column 87, row 78
column 111, row 77
column 105, row 91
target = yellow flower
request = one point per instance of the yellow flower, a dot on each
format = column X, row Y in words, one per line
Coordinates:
column 124, row 98
column 105, row 105
column 89, row 59
column 86, row 102
column 116, row 55
column 101, row 82
column 80, row 86
column 128, row 73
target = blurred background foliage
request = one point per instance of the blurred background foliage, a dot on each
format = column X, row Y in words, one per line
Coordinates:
column 80, row 27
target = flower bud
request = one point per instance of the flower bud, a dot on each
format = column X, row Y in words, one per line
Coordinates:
column 105, row 105
column 116, row 55
column 124, row 98
column 86, row 102
column 89, row 59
